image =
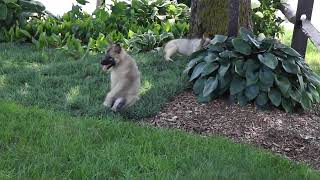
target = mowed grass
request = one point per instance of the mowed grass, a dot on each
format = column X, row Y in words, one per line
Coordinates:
column 58, row 139
column 40, row 144
column 52, row 80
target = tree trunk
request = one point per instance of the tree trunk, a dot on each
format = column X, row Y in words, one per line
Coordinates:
column 211, row 17
column 100, row 3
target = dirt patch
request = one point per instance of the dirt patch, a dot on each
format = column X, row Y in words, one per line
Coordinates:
column 297, row 136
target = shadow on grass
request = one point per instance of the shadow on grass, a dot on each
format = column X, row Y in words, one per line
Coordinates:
column 52, row 80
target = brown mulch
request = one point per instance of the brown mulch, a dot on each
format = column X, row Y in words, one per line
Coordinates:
column 297, row 136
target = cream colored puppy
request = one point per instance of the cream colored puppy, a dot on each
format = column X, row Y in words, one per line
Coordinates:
column 125, row 78
column 184, row 46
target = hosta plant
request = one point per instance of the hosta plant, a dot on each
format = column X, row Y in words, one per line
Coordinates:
column 148, row 41
column 251, row 70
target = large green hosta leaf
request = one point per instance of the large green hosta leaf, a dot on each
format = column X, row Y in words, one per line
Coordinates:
column 224, row 82
column 252, row 92
column 283, row 83
column 275, row 96
column 240, row 68
column 314, row 92
column 245, row 34
column 192, row 63
column 211, row 57
column 197, row 71
column 296, row 95
column 198, row 86
column 290, row 66
column 223, row 69
column 241, row 46
column 287, row 105
column 210, row 85
column 237, row 85
column 266, row 76
column 210, row 68
column 215, row 48
column 262, row 99
column 228, row 54
column 251, row 65
column 269, row 60
column 219, row 39
column 290, row 52
column 252, row 77
column 305, row 101
column 242, row 99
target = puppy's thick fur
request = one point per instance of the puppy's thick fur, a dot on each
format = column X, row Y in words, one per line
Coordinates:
column 184, row 46
column 125, row 78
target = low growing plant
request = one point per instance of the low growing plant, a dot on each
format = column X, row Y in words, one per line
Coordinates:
column 252, row 70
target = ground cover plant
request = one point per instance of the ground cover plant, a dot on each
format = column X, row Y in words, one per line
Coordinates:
column 253, row 70
column 42, row 144
column 51, row 80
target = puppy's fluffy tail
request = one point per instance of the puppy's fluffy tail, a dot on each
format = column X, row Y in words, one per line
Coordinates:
column 159, row 49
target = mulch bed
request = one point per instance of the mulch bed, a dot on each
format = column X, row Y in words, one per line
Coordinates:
column 297, row 136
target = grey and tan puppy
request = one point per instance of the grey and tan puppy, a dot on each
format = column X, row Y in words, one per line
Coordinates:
column 184, row 46
column 125, row 78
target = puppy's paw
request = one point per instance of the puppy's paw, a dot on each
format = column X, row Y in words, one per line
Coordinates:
column 118, row 104
column 169, row 60
column 106, row 104
column 114, row 109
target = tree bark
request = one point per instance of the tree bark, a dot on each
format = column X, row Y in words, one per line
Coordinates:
column 210, row 17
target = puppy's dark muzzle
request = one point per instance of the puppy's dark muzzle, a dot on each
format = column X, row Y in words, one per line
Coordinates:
column 107, row 63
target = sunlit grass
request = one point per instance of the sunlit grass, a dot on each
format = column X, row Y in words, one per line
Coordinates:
column 54, row 80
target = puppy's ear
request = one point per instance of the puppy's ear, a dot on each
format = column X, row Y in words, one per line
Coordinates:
column 109, row 45
column 117, row 48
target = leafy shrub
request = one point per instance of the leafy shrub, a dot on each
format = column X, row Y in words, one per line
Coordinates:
column 77, row 30
column 265, row 19
column 17, row 11
column 252, row 70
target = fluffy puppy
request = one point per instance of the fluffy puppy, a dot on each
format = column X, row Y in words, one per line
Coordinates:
column 184, row 46
column 125, row 78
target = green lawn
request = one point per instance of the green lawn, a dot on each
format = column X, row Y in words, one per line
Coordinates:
column 39, row 144
column 54, row 81
column 53, row 125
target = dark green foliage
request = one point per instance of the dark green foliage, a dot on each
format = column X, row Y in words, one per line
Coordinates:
column 186, row 2
column 155, row 22
column 253, row 70
column 14, row 12
column 265, row 19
